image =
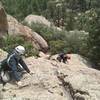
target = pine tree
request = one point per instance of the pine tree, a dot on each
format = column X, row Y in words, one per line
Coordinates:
column 94, row 43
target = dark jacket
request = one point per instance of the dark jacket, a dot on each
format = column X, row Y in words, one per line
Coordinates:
column 11, row 63
column 61, row 55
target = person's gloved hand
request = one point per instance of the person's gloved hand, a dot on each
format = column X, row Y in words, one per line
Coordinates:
column 31, row 73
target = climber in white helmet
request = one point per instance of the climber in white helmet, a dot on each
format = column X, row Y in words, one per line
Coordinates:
column 20, row 50
column 13, row 62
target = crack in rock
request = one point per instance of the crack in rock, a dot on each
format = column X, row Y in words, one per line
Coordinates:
column 75, row 94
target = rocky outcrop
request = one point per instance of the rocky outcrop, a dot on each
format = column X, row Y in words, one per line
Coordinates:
column 42, row 85
column 3, row 54
column 15, row 28
column 39, row 19
column 42, row 44
column 52, row 80
column 43, row 55
column 9, row 25
column 82, row 81
column 3, row 21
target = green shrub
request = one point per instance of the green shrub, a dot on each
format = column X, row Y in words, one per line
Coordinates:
column 60, row 41
column 30, row 50
column 45, row 31
column 56, row 46
column 74, row 41
column 48, row 33
column 94, row 44
column 10, row 42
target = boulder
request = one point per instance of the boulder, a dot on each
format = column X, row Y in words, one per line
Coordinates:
column 81, row 80
column 16, row 28
column 3, row 21
column 43, row 55
column 40, row 41
column 37, row 19
column 3, row 54
column 54, row 57
column 41, row 20
column 42, row 85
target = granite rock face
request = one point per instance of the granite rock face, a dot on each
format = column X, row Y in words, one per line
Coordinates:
column 17, row 29
column 3, row 54
column 52, row 80
column 3, row 21
column 9, row 25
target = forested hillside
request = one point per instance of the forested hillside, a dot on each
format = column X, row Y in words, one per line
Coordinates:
column 72, row 16
column 60, row 40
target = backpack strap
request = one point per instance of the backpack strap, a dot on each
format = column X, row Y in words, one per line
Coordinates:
column 9, row 58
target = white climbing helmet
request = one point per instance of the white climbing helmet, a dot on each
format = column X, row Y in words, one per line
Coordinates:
column 20, row 50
